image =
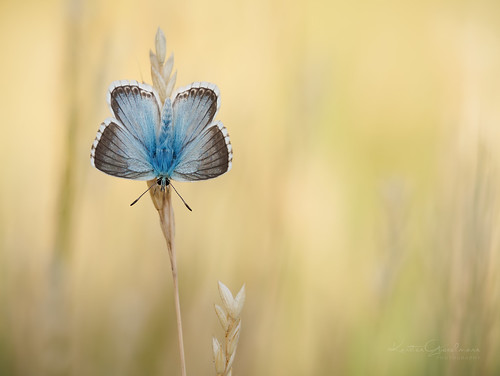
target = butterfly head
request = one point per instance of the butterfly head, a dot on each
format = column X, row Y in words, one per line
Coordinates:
column 163, row 182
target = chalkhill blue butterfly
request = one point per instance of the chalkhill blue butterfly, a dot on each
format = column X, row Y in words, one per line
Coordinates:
column 177, row 140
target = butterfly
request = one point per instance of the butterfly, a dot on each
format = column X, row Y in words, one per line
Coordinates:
column 177, row 140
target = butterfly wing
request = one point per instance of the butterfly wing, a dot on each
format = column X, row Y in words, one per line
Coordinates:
column 208, row 156
column 194, row 107
column 117, row 153
column 123, row 144
column 203, row 147
column 137, row 107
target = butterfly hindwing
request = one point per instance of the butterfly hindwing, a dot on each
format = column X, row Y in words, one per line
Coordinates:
column 116, row 152
column 207, row 156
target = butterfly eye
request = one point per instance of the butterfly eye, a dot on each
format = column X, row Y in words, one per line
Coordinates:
column 158, row 181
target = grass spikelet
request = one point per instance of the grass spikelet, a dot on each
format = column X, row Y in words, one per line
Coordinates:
column 163, row 83
column 229, row 318
column 161, row 71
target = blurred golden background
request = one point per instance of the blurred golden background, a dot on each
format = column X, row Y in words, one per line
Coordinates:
column 361, row 211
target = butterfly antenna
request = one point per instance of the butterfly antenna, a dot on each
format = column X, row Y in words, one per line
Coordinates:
column 138, row 198
column 187, row 206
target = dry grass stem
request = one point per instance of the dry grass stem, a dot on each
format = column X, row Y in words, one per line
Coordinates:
column 229, row 318
column 164, row 84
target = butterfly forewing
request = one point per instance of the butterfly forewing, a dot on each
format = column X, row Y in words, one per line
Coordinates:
column 137, row 107
column 194, row 108
column 123, row 144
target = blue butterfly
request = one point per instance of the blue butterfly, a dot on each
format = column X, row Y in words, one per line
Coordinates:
column 178, row 140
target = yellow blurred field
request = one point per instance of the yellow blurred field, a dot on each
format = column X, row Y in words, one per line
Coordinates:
column 361, row 211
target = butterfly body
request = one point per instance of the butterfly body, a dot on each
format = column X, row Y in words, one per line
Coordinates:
column 178, row 139
column 164, row 157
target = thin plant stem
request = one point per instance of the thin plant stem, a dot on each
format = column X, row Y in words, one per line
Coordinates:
column 167, row 223
column 161, row 69
column 178, row 311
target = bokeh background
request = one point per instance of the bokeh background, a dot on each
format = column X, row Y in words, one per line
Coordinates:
column 361, row 212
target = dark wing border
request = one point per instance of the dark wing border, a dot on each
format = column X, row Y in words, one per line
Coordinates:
column 189, row 122
column 215, row 156
column 109, row 153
